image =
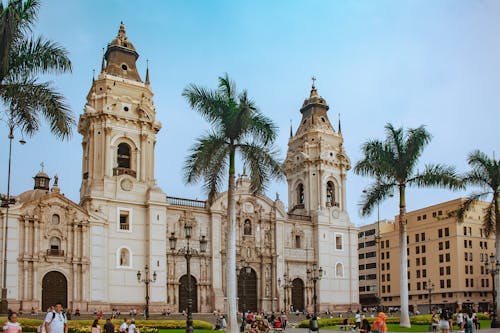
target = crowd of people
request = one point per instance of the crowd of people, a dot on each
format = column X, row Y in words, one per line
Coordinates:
column 262, row 322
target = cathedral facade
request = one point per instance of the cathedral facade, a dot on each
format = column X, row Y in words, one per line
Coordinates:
column 88, row 254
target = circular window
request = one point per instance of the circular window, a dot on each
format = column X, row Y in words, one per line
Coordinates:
column 124, row 67
column 125, row 108
column 100, row 88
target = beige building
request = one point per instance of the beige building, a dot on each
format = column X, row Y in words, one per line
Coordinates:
column 446, row 255
column 87, row 254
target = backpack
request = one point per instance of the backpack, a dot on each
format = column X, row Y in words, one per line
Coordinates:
column 41, row 328
column 468, row 323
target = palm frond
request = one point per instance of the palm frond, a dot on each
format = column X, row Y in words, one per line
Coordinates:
column 416, row 140
column 437, row 175
column 27, row 100
column 38, row 56
column 394, row 140
column 374, row 194
column 207, row 102
column 464, row 207
column 262, row 163
column 489, row 222
column 199, row 161
column 227, row 87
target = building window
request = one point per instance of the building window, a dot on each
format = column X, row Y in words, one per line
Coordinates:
column 123, row 157
column 447, row 245
column 338, row 242
column 424, row 273
column 446, row 232
column 387, row 243
column 247, row 228
column 330, row 194
column 447, row 257
column 124, row 257
column 448, row 270
column 424, row 261
column 440, row 233
column 417, row 250
column 440, row 245
column 441, row 270
column 124, row 219
column 388, row 266
column 297, row 241
column 56, row 219
column 55, row 244
column 300, row 194
column 417, row 238
column 423, row 248
column 339, row 270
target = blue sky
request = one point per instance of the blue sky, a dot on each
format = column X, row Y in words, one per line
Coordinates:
column 435, row 63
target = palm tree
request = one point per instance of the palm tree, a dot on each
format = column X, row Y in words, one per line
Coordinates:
column 393, row 164
column 237, row 127
column 22, row 59
column 485, row 174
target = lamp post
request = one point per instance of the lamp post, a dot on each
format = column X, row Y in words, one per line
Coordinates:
column 6, row 202
column 493, row 270
column 430, row 287
column 286, row 284
column 188, row 252
column 147, row 280
column 314, row 275
column 247, row 270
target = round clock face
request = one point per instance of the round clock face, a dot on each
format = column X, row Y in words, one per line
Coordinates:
column 126, row 185
column 335, row 213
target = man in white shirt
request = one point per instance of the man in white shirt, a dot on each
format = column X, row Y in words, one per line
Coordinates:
column 55, row 321
column 124, row 326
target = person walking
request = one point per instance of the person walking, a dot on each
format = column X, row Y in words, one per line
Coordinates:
column 109, row 327
column 379, row 325
column 12, row 326
column 124, row 326
column 96, row 328
column 56, row 321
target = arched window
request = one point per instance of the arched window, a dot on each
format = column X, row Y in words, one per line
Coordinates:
column 247, row 227
column 56, row 219
column 330, row 194
column 123, row 158
column 300, row 194
column 55, row 244
column 124, row 259
column 339, row 270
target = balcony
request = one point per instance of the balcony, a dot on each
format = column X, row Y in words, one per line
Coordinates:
column 124, row 171
column 55, row 252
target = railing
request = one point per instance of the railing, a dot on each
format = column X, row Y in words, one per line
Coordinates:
column 124, row 171
column 55, row 252
column 186, row 202
column 299, row 217
column 299, row 206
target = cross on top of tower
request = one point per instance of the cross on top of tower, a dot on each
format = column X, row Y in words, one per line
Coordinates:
column 42, row 165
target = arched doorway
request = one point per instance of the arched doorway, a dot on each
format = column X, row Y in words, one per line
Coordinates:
column 298, row 294
column 247, row 290
column 54, row 289
column 183, row 294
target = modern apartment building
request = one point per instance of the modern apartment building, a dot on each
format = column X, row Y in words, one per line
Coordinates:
column 445, row 260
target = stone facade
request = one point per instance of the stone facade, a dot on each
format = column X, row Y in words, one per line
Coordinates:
column 124, row 220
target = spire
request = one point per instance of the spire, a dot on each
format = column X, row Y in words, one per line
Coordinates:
column 93, row 75
column 291, row 129
column 121, row 32
column 314, row 93
column 103, row 63
column 147, row 72
column 340, row 129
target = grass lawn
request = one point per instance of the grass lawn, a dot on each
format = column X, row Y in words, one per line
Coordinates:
column 414, row 328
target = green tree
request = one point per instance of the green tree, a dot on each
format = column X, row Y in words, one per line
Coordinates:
column 393, row 165
column 22, row 58
column 485, row 174
column 237, row 127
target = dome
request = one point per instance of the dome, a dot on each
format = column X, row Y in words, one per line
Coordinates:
column 42, row 174
column 31, row 195
column 122, row 40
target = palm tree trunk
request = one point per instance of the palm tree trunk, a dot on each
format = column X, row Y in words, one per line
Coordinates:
column 231, row 248
column 403, row 279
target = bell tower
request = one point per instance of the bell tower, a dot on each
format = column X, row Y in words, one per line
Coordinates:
column 316, row 162
column 118, row 126
column 127, row 209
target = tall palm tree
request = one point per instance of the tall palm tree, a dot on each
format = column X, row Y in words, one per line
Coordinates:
column 393, row 164
column 22, row 59
column 237, row 127
column 485, row 174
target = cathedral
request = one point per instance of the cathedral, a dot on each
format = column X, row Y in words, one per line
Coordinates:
column 89, row 254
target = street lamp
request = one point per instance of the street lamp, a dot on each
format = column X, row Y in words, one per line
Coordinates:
column 430, row 287
column 493, row 270
column 188, row 252
column 247, row 270
column 314, row 275
column 6, row 202
column 147, row 280
column 287, row 284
